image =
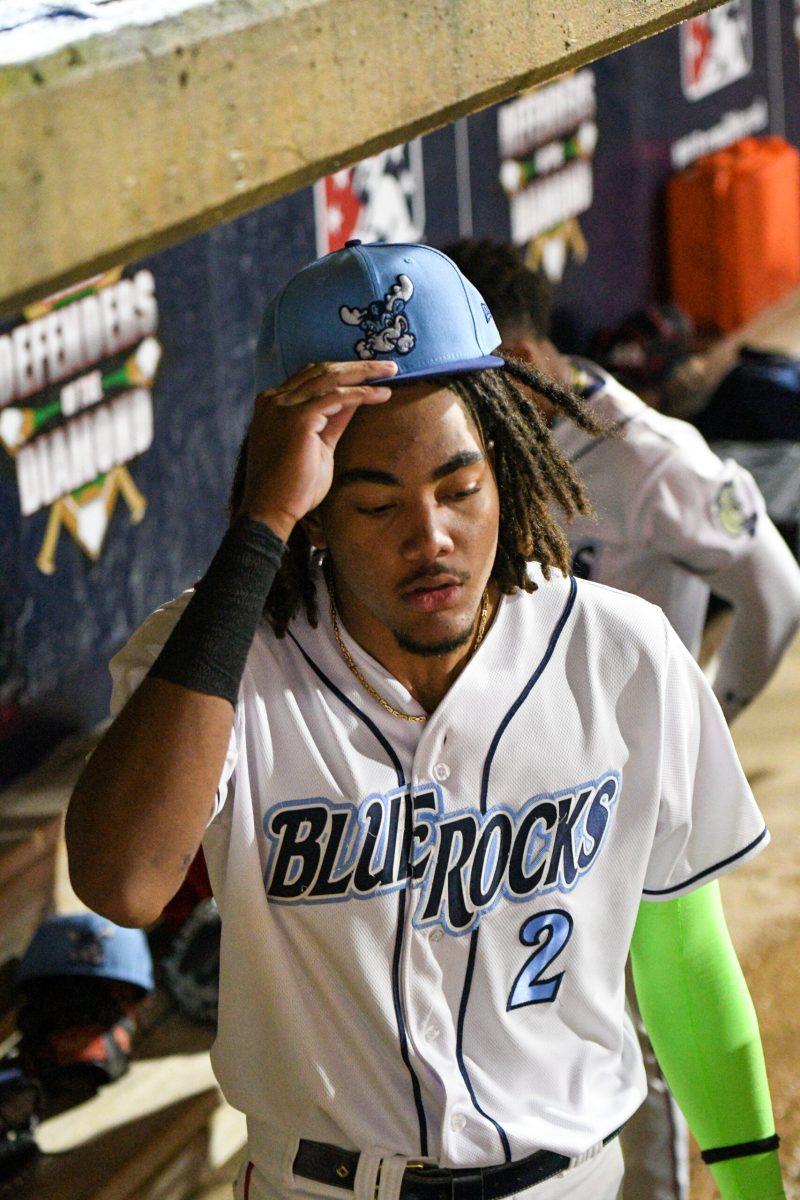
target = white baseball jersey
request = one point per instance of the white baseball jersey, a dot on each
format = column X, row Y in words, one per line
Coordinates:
column 669, row 511
column 425, row 927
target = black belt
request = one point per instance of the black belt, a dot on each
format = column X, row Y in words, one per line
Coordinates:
column 427, row 1181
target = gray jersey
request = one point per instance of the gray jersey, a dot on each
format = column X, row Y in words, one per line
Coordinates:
column 670, row 513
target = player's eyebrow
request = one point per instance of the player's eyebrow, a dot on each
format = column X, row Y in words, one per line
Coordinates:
column 464, row 458
column 366, row 475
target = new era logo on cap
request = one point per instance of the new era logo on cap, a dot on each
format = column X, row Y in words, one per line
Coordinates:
column 407, row 302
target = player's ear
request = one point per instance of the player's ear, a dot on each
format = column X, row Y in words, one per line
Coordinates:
column 312, row 527
column 525, row 348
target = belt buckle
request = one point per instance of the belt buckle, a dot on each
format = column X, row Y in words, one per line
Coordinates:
column 412, row 1164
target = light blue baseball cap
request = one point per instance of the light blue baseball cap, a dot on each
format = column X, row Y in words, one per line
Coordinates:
column 87, row 944
column 404, row 302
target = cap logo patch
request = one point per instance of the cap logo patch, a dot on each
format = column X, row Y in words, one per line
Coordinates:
column 486, row 312
column 87, row 946
column 383, row 322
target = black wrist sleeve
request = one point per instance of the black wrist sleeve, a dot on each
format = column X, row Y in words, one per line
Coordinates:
column 207, row 649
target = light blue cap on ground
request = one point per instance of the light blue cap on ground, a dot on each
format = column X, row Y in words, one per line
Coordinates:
column 406, row 302
column 87, row 944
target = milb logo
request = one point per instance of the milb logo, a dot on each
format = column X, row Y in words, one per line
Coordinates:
column 461, row 863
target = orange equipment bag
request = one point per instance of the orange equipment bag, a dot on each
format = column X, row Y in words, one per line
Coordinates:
column 734, row 231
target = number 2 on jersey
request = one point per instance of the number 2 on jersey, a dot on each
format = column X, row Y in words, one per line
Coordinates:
column 549, row 932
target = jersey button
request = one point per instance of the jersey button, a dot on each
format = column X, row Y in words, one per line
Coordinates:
column 432, row 1033
column 441, row 772
column 457, row 1122
column 435, row 935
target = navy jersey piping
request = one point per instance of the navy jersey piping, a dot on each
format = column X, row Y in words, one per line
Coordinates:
column 708, row 870
column 462, row 1066
column 487, row 766
column 401, row 904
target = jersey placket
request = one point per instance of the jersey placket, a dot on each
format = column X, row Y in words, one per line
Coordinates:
column 433, row 972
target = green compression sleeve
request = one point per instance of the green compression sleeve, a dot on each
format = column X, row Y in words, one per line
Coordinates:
column 698, row 1012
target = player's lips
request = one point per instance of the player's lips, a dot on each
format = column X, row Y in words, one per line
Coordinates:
column 434, row 594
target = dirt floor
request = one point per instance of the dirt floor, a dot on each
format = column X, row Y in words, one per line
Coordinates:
column 762, row 903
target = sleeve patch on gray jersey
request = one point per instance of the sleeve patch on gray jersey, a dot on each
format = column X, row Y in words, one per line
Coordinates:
column 731, row 513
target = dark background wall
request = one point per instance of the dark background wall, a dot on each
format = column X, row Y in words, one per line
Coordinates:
column 58, row 630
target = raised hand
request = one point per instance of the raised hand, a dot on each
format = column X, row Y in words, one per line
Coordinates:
column 293, row 435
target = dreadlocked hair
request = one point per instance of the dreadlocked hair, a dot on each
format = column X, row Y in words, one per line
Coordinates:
column 515, row 294
column 530, row 470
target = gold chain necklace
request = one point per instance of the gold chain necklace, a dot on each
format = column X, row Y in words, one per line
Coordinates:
column 348, row 658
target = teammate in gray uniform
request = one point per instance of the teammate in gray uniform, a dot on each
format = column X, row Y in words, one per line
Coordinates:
column 672, row 522
column 443, row 788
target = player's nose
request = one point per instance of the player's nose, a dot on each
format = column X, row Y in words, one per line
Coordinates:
column 426, row 535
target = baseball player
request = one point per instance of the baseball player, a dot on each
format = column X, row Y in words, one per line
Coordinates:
column 443, row 787
column 672, row 523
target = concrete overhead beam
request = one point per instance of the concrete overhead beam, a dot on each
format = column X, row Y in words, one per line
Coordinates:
column 126, row 142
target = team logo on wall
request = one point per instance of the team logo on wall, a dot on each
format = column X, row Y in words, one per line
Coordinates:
column 381, row 199
column 716, row 49
column 547, row 140
column 76, row 375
